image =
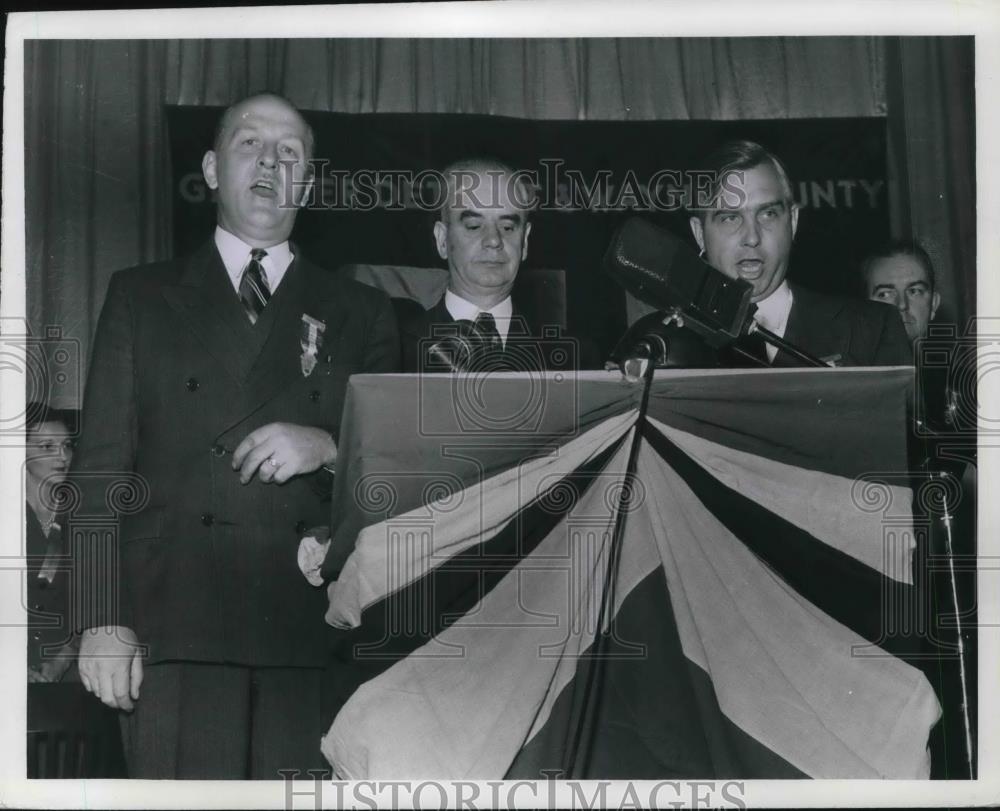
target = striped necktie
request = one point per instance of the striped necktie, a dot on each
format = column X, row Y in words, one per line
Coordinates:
column 485, row 327
column 254, row 291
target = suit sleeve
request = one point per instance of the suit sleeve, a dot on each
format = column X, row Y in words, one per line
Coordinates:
column 893, row 347
column 382, row 340
column 104, row 460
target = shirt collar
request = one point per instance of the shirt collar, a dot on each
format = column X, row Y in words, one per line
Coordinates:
column 772, row 312
column 235, row 254
column 461, row 309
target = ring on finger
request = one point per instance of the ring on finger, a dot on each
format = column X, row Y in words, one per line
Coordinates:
column 270, row 460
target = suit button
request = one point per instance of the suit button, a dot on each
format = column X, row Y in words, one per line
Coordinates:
column 39, row 607
column 314, row 395
column 192, row 384
column 218, row 450
column 300, row 527
column 207, row 519
column 36, row 636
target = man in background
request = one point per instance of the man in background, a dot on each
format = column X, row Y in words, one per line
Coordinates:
column 219, row 379
column 901, row 274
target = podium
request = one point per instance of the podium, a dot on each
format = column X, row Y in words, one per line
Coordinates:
column 532, row 576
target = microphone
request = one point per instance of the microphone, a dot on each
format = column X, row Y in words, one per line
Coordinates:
column 454, row 351
column 451, row 354
column 661, row 270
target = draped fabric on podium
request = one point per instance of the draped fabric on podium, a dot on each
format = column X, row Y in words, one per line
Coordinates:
column 743, row 634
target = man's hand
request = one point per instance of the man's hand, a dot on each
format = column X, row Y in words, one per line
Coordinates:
column 279, row 450
column 111, row 665
column 52, row 670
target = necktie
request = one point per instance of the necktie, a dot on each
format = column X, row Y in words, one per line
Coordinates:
column 254, row 291
column 487, row 350
column 756, row 346
column 485, row 327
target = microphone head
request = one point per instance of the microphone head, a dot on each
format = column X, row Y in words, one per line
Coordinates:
column 663, row 271
column 453, row 349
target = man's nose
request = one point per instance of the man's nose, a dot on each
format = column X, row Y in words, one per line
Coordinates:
column 903, row 303
column 751, row 232
column 491, row 237
column 268, row 156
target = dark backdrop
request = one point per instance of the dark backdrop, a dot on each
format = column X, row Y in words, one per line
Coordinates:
column 838, row 169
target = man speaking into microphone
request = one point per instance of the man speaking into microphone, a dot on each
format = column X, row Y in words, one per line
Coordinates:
column 746, row 233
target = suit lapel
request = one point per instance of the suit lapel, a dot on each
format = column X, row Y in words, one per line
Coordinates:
column 205, row 300
column 438, row 314
column 279, row 363
column 808, row 325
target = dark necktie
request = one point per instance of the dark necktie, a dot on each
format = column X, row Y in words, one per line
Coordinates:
column 485, row 328
column 254, row 291
column 755, row 345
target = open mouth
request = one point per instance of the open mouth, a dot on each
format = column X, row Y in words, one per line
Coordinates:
column 750, row 269
column 264, row 188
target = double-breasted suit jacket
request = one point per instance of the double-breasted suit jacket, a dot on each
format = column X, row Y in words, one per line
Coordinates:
column 207, row 571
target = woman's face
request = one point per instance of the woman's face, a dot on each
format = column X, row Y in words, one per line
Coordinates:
column 49, row 452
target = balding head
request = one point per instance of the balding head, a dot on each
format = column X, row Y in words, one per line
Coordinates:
column 233, row 113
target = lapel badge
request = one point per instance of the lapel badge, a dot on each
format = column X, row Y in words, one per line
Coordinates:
column 311, row 339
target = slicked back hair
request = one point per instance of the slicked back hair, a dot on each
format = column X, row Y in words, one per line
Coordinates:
column 524, row 199
column 898, row 247
column 735, row 156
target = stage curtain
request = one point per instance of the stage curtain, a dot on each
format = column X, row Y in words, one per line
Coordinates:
column 930, row 92
column 607, row 79
column 97, row 166
column 97, row 174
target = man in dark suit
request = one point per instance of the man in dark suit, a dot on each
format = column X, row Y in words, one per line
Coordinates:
column 745, row 229
column 483, row 234
column 219, row 379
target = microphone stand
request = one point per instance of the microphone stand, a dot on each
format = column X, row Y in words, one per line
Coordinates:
column 784, row 346
column 946, row 522
column 584, row 734
column 650, row 342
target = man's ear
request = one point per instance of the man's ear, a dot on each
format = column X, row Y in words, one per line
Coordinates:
column 935, row 303
column 524, row 243
column 441, row 239
column 208, row 169
column 698, row 231
column 795, row 218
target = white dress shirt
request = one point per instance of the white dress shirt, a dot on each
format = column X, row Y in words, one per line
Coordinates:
column 235, row 254
column 458, row 308
column 772, row 314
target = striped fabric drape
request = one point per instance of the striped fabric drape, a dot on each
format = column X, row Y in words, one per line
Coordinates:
column 761, row 540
